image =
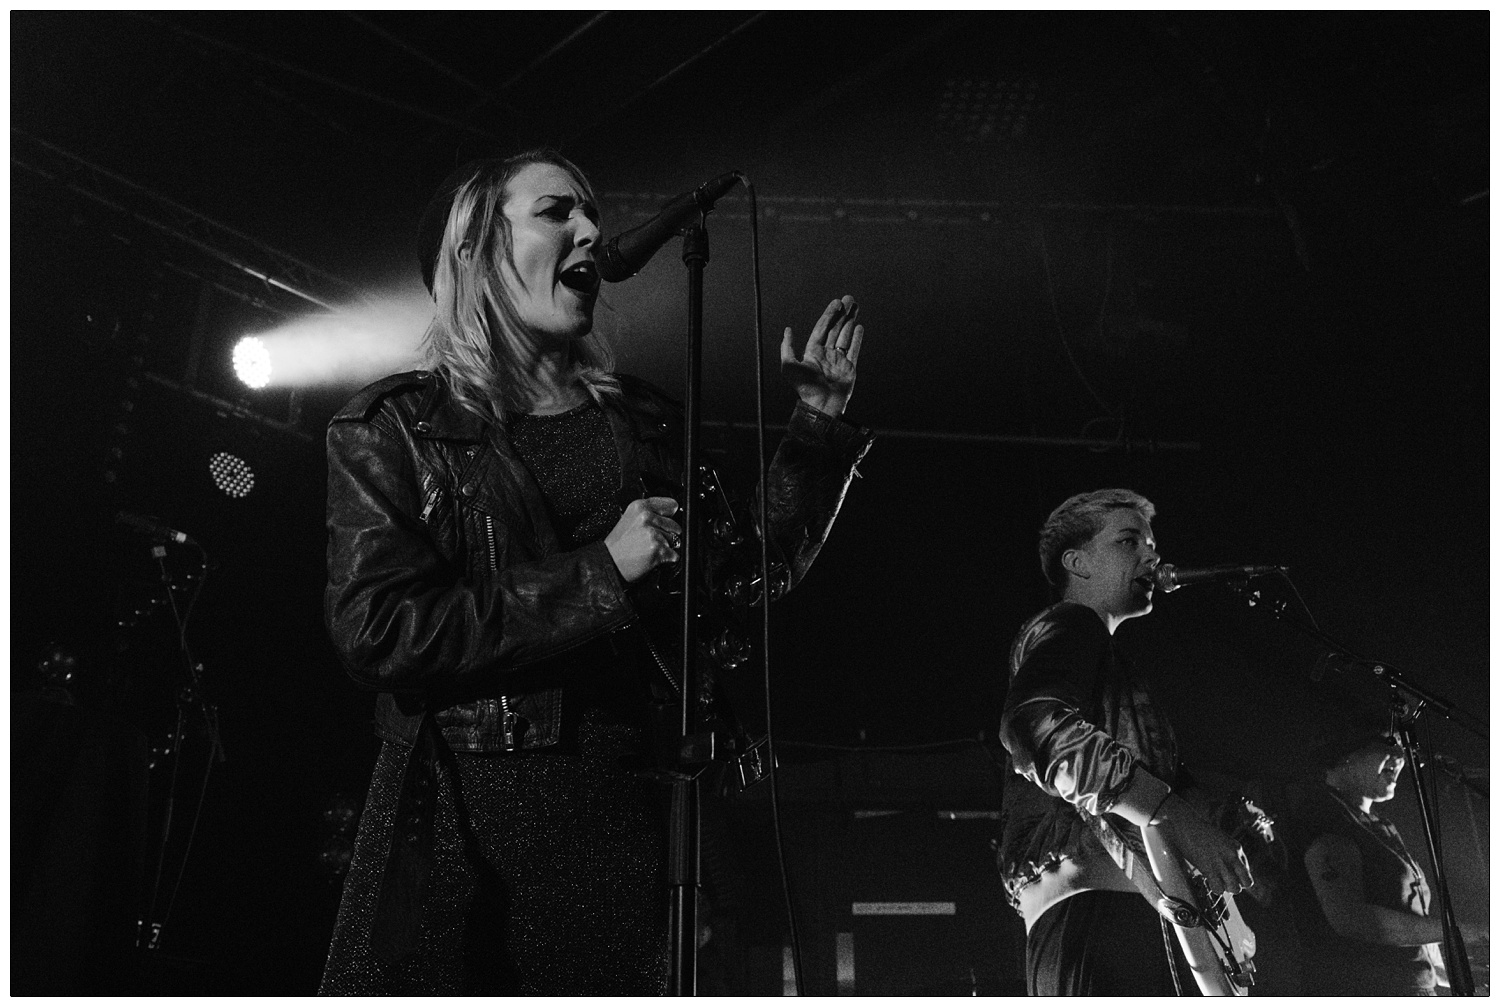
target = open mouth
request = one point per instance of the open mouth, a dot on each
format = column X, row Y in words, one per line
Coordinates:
column 581, row 277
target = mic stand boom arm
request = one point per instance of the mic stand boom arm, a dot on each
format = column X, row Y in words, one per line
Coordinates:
column 1455, row 956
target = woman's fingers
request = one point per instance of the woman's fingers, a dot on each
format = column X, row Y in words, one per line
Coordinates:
column 825, row 321
column 659, row 505
column 846, row 329
column 854, row 343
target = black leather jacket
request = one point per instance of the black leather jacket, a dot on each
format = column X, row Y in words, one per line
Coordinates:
column 447, row 591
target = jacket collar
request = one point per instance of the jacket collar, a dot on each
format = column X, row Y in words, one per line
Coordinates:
column 440, row 417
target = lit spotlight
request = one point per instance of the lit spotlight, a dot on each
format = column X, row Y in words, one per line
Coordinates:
column 231, row 474
column 252, row 362
column 351, row 345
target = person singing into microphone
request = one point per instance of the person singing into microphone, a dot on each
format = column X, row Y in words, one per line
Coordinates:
column 491, row 521
column 1099, row 761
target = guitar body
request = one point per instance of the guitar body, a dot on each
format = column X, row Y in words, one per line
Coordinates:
column 1218, row 946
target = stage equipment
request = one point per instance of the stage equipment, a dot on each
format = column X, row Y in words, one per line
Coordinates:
column 1169, row 578
column 252, row 362
column 192, row 746
column 232, row 474
column 622, row 257
column 627, row 254
column 891, row 851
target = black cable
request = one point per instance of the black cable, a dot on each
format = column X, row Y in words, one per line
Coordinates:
column 187, row 847
column 154, row 931
column 765, row 588
column 215, row 753
column 1311, row 621
column 1170, row 946
column 1057, row 318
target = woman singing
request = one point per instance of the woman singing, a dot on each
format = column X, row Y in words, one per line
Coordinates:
column 491, row 519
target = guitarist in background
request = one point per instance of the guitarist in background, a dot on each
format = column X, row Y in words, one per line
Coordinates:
column 1359, row 898
column 1101, row 762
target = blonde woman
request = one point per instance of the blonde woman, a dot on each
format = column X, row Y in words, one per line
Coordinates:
column 489, row 525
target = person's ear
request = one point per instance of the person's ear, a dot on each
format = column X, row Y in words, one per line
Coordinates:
column 1076, row 562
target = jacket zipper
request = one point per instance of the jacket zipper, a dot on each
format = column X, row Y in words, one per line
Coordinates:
column 508, row 717
column 661, row 664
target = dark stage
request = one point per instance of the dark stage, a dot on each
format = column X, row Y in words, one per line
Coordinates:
column 1237, row 262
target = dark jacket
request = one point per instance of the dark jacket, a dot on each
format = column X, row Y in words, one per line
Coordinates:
column 449, row 594
column 1077, row 723
column 447, row 590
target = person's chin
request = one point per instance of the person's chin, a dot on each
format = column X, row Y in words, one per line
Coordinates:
column 570, row 329
column 1140, row 601
column 581, row 321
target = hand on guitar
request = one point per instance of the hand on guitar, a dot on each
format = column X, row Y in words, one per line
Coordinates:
column 645, row 537
column 1217, row 857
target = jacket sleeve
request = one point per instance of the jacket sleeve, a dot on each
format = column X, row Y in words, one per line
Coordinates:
column 807, row 481
column 1044, row 728
column 403, row 617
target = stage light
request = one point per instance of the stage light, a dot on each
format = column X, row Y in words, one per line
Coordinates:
column 252, row 362
column 350, row 345
column 231, row 474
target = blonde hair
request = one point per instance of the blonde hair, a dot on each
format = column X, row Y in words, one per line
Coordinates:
column 477, row 341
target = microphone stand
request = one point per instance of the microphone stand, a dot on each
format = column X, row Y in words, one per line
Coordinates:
column 684, row 850
column 1455, row 955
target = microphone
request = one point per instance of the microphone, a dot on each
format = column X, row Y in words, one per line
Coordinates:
column 1170, row 578
column 153, row 528
column 626, row 254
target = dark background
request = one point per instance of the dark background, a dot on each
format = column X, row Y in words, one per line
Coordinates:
column 1237, row 262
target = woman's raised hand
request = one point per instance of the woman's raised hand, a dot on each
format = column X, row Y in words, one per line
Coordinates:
column 645, row 537
column 824, row 375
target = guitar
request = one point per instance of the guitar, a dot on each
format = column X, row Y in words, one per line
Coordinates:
column 1218, row 946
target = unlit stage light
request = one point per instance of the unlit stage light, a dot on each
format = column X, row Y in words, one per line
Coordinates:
column 231, row 474
column 354, row 344
column 252, row 362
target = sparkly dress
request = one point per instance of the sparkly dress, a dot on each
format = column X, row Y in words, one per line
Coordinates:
column 550, row 864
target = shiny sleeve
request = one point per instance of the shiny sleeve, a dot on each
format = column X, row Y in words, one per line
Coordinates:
column 403, row 617
column 1046, row 730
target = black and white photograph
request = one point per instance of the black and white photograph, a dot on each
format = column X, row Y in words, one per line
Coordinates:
column 749, row 502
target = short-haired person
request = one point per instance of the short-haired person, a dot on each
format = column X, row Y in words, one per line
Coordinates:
column 1359, row 899
column 491, row 519
column 1099, row 761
